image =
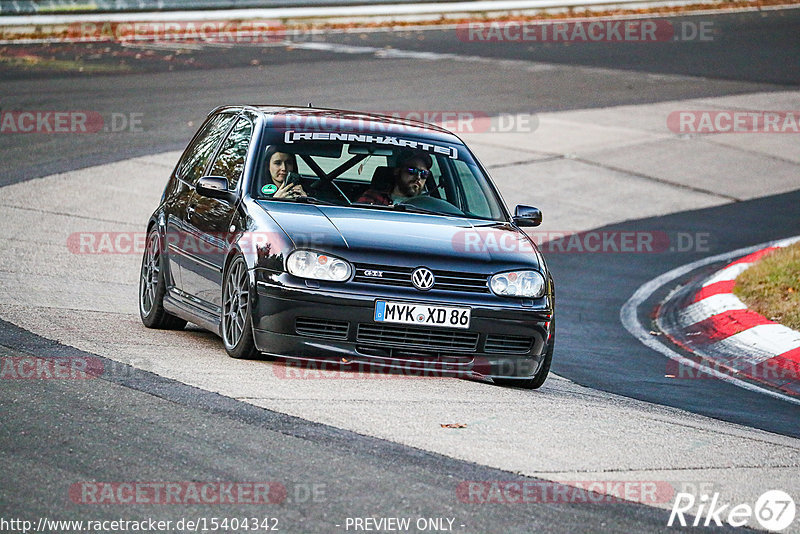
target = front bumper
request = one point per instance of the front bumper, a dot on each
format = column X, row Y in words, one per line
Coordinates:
column 335, row 326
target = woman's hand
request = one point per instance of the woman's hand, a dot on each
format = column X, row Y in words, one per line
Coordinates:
column 290, row 191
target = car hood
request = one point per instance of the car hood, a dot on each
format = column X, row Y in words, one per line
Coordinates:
column 364, row 235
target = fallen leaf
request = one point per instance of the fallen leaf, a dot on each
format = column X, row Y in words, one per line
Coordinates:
column 453, row 425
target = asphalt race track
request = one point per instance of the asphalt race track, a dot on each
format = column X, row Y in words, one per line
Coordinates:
column 590, row 145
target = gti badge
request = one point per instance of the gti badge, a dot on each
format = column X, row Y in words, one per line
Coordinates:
column 373, row 274
column 422, row 279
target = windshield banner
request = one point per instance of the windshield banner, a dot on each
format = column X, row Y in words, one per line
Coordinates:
column 291, row 136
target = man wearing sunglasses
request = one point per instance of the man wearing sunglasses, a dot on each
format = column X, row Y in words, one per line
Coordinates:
column 410, row 176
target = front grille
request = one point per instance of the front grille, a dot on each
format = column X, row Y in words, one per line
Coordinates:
column 453, row 281
column 306, row 326
column 401, row 276
column 499, row 343
column 390, row 276
column 411, row 336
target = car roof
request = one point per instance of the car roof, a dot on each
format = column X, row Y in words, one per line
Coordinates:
column 355, row 121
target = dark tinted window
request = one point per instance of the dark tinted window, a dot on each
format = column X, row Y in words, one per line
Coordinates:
column 194, row 161
column 230, row 162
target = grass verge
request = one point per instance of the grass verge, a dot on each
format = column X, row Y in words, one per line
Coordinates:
column 771, row 286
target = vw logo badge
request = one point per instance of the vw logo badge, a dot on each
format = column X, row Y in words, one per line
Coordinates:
column 422, row 279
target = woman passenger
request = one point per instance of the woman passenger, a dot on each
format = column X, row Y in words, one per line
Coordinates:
column 279, row 165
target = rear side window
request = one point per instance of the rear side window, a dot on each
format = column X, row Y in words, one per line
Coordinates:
column 196, row 157
column 230, row 162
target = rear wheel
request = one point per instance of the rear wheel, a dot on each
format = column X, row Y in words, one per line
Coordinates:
column 153, row 287
column 237, row 325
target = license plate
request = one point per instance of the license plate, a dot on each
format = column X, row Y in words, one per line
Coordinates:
column 421, row 314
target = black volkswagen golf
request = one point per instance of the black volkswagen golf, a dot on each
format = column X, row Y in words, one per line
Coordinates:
column 335, row 236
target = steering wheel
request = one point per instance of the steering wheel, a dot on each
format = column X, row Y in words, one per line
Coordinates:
column 433, row 204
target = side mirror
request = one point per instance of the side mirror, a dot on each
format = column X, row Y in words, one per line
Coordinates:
column 214, row 187
column 527, row 216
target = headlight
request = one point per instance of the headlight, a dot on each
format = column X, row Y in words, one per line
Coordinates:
column 518, row 284
column 308, row 264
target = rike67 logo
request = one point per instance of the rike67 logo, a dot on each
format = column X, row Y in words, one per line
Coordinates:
column 774, row 510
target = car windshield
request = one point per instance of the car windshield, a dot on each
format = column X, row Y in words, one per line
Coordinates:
column 420, row 176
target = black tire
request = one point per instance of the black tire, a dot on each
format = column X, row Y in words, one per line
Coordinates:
column 153, row 287
column 236, row 324
column 538, row 379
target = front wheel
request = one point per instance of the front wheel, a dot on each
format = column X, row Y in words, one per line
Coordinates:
column 153, row 287
column 237, row 326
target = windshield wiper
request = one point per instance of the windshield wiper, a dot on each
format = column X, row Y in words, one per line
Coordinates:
column 396, row 207
column 415, row 209
column 303, row 200
column 314, row 200
column 371, row 206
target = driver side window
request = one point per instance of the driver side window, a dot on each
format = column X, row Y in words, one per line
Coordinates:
column 231, row 159
column 191, row 167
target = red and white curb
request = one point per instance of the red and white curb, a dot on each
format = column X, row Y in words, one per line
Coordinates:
column 707, row 319
column 725, row 356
